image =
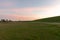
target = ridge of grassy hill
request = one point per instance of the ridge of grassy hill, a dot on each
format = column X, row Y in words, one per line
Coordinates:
column 50, row 19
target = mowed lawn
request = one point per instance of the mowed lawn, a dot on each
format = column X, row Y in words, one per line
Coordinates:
column 29, row 31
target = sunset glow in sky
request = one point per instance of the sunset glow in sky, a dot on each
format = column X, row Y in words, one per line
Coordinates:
column 29, row 9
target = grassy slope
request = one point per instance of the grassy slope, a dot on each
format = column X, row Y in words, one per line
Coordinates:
column 29, row 31
column 51, row 19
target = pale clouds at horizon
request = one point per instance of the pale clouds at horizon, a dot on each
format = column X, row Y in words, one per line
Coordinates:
column 29, row 9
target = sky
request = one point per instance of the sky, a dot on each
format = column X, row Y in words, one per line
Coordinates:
column 29, row 9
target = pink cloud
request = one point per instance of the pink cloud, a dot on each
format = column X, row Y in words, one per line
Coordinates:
column 6, row 4
column 27, row 10
column 18, row 17
column 31, row 9
column 27, row 13
column 18, row 10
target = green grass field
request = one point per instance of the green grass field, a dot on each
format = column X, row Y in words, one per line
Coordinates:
column 49, row 19
column 29, row 31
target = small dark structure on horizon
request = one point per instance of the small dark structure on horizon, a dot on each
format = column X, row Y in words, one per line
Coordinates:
column 5, row 20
